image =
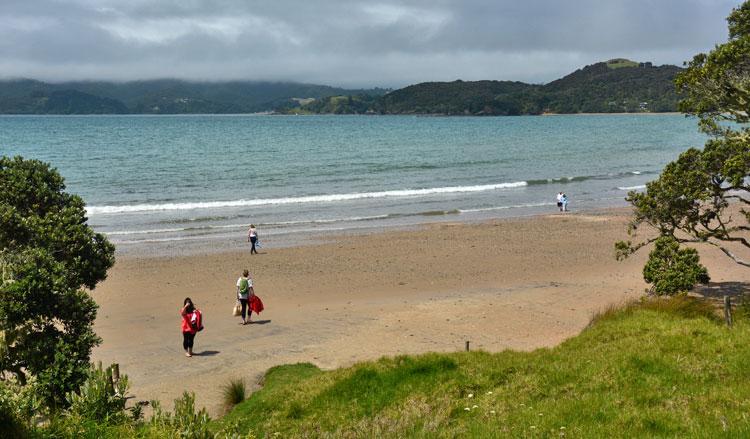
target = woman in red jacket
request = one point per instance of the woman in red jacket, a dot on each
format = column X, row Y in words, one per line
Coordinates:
column 191, row 324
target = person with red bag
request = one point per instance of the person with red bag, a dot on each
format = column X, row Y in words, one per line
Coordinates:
column 192, row 323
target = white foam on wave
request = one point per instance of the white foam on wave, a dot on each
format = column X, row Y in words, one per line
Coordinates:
column 632, row 188
column 135, row 208
column 242, row 226
column 515, row 206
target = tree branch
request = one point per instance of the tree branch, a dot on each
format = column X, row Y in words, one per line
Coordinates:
column 730, row 254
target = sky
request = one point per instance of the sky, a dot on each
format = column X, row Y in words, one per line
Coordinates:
column 349, row 43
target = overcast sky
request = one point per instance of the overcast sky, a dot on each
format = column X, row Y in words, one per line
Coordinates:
column 347, row 42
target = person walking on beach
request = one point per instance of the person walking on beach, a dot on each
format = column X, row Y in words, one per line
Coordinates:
column 244, row 293
column 252, row 238
column 192, row 322
column 559, row 201
column 564, row 203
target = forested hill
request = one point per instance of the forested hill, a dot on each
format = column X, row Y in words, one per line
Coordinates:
column 608, row 87
column 158, row 96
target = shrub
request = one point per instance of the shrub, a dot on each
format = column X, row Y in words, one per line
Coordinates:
column 185, row 423
column 18, row 407
column 672, row 269
column 100, row 398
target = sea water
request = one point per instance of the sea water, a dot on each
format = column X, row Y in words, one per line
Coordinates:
column 158, row 181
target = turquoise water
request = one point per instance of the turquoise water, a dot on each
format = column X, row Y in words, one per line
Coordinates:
column 166, row 179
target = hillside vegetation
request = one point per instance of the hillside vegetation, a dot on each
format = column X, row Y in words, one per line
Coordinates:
column 608, row 87
column 157, row 96
column 618, row 85
column 654, row 369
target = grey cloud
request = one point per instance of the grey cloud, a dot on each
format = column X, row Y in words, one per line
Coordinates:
column 346, row 42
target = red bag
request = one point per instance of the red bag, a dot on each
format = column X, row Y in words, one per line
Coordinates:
column 197, row 321
column 256, row 305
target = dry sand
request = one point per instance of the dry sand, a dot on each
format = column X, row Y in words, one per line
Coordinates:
column 507, row 284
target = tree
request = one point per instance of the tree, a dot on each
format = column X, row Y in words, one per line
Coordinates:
column 672, row 269
column 48, row 255
column 696, row 196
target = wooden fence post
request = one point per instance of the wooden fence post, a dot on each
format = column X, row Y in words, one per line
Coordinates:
column 728, row 310
column 467, row 346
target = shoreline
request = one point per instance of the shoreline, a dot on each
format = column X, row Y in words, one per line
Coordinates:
column 257, row 114
column 516, row 283
column 205, row 245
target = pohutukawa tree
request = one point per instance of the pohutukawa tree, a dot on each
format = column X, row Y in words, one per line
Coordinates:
column 704, row 195
column 49, row 256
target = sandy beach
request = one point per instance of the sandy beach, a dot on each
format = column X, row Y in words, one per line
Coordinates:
column 519, row 283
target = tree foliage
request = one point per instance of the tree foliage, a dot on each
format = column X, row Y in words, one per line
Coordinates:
column 613, row 87
column 672, row 269
column 703, row 196
column 48, row 257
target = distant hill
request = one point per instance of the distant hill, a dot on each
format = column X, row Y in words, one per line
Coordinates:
column 615, row 86
column 605, row 88
column 166, row 96
column 619, row 85
column 458, row 97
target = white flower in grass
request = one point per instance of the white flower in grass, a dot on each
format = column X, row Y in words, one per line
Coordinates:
column 533, row 427
column 474, row 406
column 492, row 411
column 471, row 395
column 489, row 393
column 467, row 409
column 562, row 428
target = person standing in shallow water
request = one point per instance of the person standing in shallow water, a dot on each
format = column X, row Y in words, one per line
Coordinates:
column 191, row 324
column 252, row 238
column 244, row 292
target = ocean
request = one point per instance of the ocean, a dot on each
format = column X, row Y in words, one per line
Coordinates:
column 183, row 182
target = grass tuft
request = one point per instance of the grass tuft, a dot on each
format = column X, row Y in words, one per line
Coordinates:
column 234, row 392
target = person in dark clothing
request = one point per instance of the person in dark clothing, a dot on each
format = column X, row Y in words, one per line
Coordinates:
column 252, row 238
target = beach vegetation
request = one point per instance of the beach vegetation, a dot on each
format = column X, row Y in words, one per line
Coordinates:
column 653, row 367
column 671, row 269
column 49, row 259
column 704, row 195
column 100, row 397
column 234, row 392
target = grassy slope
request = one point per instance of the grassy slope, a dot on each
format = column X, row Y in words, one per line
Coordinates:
column 643, row 371
column 620, row 63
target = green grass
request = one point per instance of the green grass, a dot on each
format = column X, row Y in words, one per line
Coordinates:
column 619, row 63
column 653, row 369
